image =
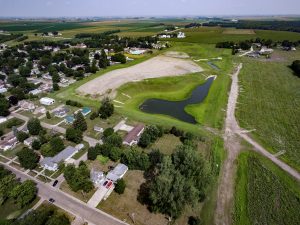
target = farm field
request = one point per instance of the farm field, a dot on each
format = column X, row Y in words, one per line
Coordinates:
column 269, row 103
column 264, row 193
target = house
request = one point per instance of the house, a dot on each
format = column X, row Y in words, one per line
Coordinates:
column 3, row 90
column 266, row 51
column 26, row 105
column 8, row 143
column 28, row 142
column 3, row 119
column 134, row 135
column 81, row 46
column 85, row 111
column 69, row 119
column 98, row 129
column 117, row 173
column 61, row 112
column 47, row 76
column 164, row 36
column 35, row 92
column 181, row 35
column 51, row 163
column 40, row 110
column 97, row 177
column 47, row 101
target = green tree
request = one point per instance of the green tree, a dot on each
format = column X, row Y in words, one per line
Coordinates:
column 48, row 116
column 115, row 154
column 36, row 145
column 7, row 183
column 114, row 140
column 58, row 220
column 24, row 193
column 22, row 136
column 28, row 158
column 103, row 61
column 120, row 186
column 79, row 122
column 55, row 86
column 107, row 132
column 119, row 57
column 74, row 135
column 34, row 126
column 57, row 145
column 4, row 106
column 107, row 108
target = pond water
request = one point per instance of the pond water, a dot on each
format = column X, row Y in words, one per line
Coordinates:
column 212, row 65
column 176, row 108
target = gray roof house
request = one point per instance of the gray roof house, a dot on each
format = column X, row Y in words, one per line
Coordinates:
column 51, row 163
column 117, row 173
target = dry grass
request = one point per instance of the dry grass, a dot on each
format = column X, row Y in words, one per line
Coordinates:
column 238, row 31
column 121, row 206
column 79, row 195
column 166, row 144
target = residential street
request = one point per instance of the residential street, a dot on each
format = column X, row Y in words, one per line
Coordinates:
column 69, row 203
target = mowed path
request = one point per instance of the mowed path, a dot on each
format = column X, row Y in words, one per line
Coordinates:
column 159, row 66
column 232, row 136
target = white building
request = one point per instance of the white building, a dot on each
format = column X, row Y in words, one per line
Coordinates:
column 3, row 90
column 3, row 119
column 26, row 105
column 181, row 35
column 117, row 173
column 35, row 92
column 47, row 101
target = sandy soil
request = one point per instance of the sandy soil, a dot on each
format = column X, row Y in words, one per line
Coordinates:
column 159, row 66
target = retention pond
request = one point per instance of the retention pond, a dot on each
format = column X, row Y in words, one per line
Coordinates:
column 176, row 108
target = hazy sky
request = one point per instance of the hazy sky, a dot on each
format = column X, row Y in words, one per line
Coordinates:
column 69, row 8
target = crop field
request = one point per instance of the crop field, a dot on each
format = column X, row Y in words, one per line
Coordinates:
column 264, row 193
column 269, row 103
column 212, row 35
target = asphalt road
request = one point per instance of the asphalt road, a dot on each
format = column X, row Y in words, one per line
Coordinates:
column 69, row 203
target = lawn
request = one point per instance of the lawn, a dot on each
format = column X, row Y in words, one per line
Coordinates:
column 102, row 159
column 3, row 126
column 269, row 103
column 166, row 144
column 121, row 206
column 79, row 195
column 9, row 210
column 265, row 194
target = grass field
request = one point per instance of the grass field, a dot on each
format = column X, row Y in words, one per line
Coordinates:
column 264, row 193
column 269, row 103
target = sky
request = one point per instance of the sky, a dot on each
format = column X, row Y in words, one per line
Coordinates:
column 131, row 8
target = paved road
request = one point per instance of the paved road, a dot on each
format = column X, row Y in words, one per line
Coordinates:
column 69, row 203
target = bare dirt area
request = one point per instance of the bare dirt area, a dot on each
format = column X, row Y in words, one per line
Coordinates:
column 180, row 55
column 238, row 31
column 159, row 66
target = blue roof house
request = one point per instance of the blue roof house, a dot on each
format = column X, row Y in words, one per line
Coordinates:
column 85, row 111
column 69, row 119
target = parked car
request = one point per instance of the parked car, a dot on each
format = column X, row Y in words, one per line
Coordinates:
column 104, row 184
column 51, row 200
column 55, row 183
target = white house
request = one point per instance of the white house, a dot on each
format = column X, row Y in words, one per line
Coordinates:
column 35, row 92
column 8, row 143
column 47, row 101
column 181, row 35
column 3, row 119
column 97, row 177
column 3, row 90
column 51, row 163
column 117, row 173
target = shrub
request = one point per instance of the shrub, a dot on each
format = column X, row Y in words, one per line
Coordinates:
column 120, row 186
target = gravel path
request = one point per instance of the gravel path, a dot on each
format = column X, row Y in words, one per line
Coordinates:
column 232, row 137
column 159, row 66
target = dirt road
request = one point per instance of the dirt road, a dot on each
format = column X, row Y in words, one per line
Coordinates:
column 159, row 66
column 232, row 136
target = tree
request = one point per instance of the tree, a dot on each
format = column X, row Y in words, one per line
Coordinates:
column 107, row 132
column 58, row 220
column 55, row 86
column 24, row 193
column 106, row 109
column 7, row 183
column 135, row 159
column 114, row 140
column 194, row 221
column 120, row 186
column 57, row 145
column 34, row 126
column 36, row 145
column 92, row 153
column 13, row 100
column 103, row 61
column 119, row 57
column 22, row 136
column 28, row 158
column 4, row 106
column 74, row 135
column 115, row 154
column 145, row 140
column 24, row 71
column 296, row 67
column 79, row 122
column 48, row 116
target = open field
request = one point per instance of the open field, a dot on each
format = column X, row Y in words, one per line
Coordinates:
column 269, row 103
column 212, row 35
column 264, row 193
column 159, row 66
column 238, row 31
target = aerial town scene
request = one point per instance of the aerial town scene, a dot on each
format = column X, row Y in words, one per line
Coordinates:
column 158, row 112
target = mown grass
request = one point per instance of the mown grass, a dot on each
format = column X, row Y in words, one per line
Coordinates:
column 269, row 103
column 265, row 194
